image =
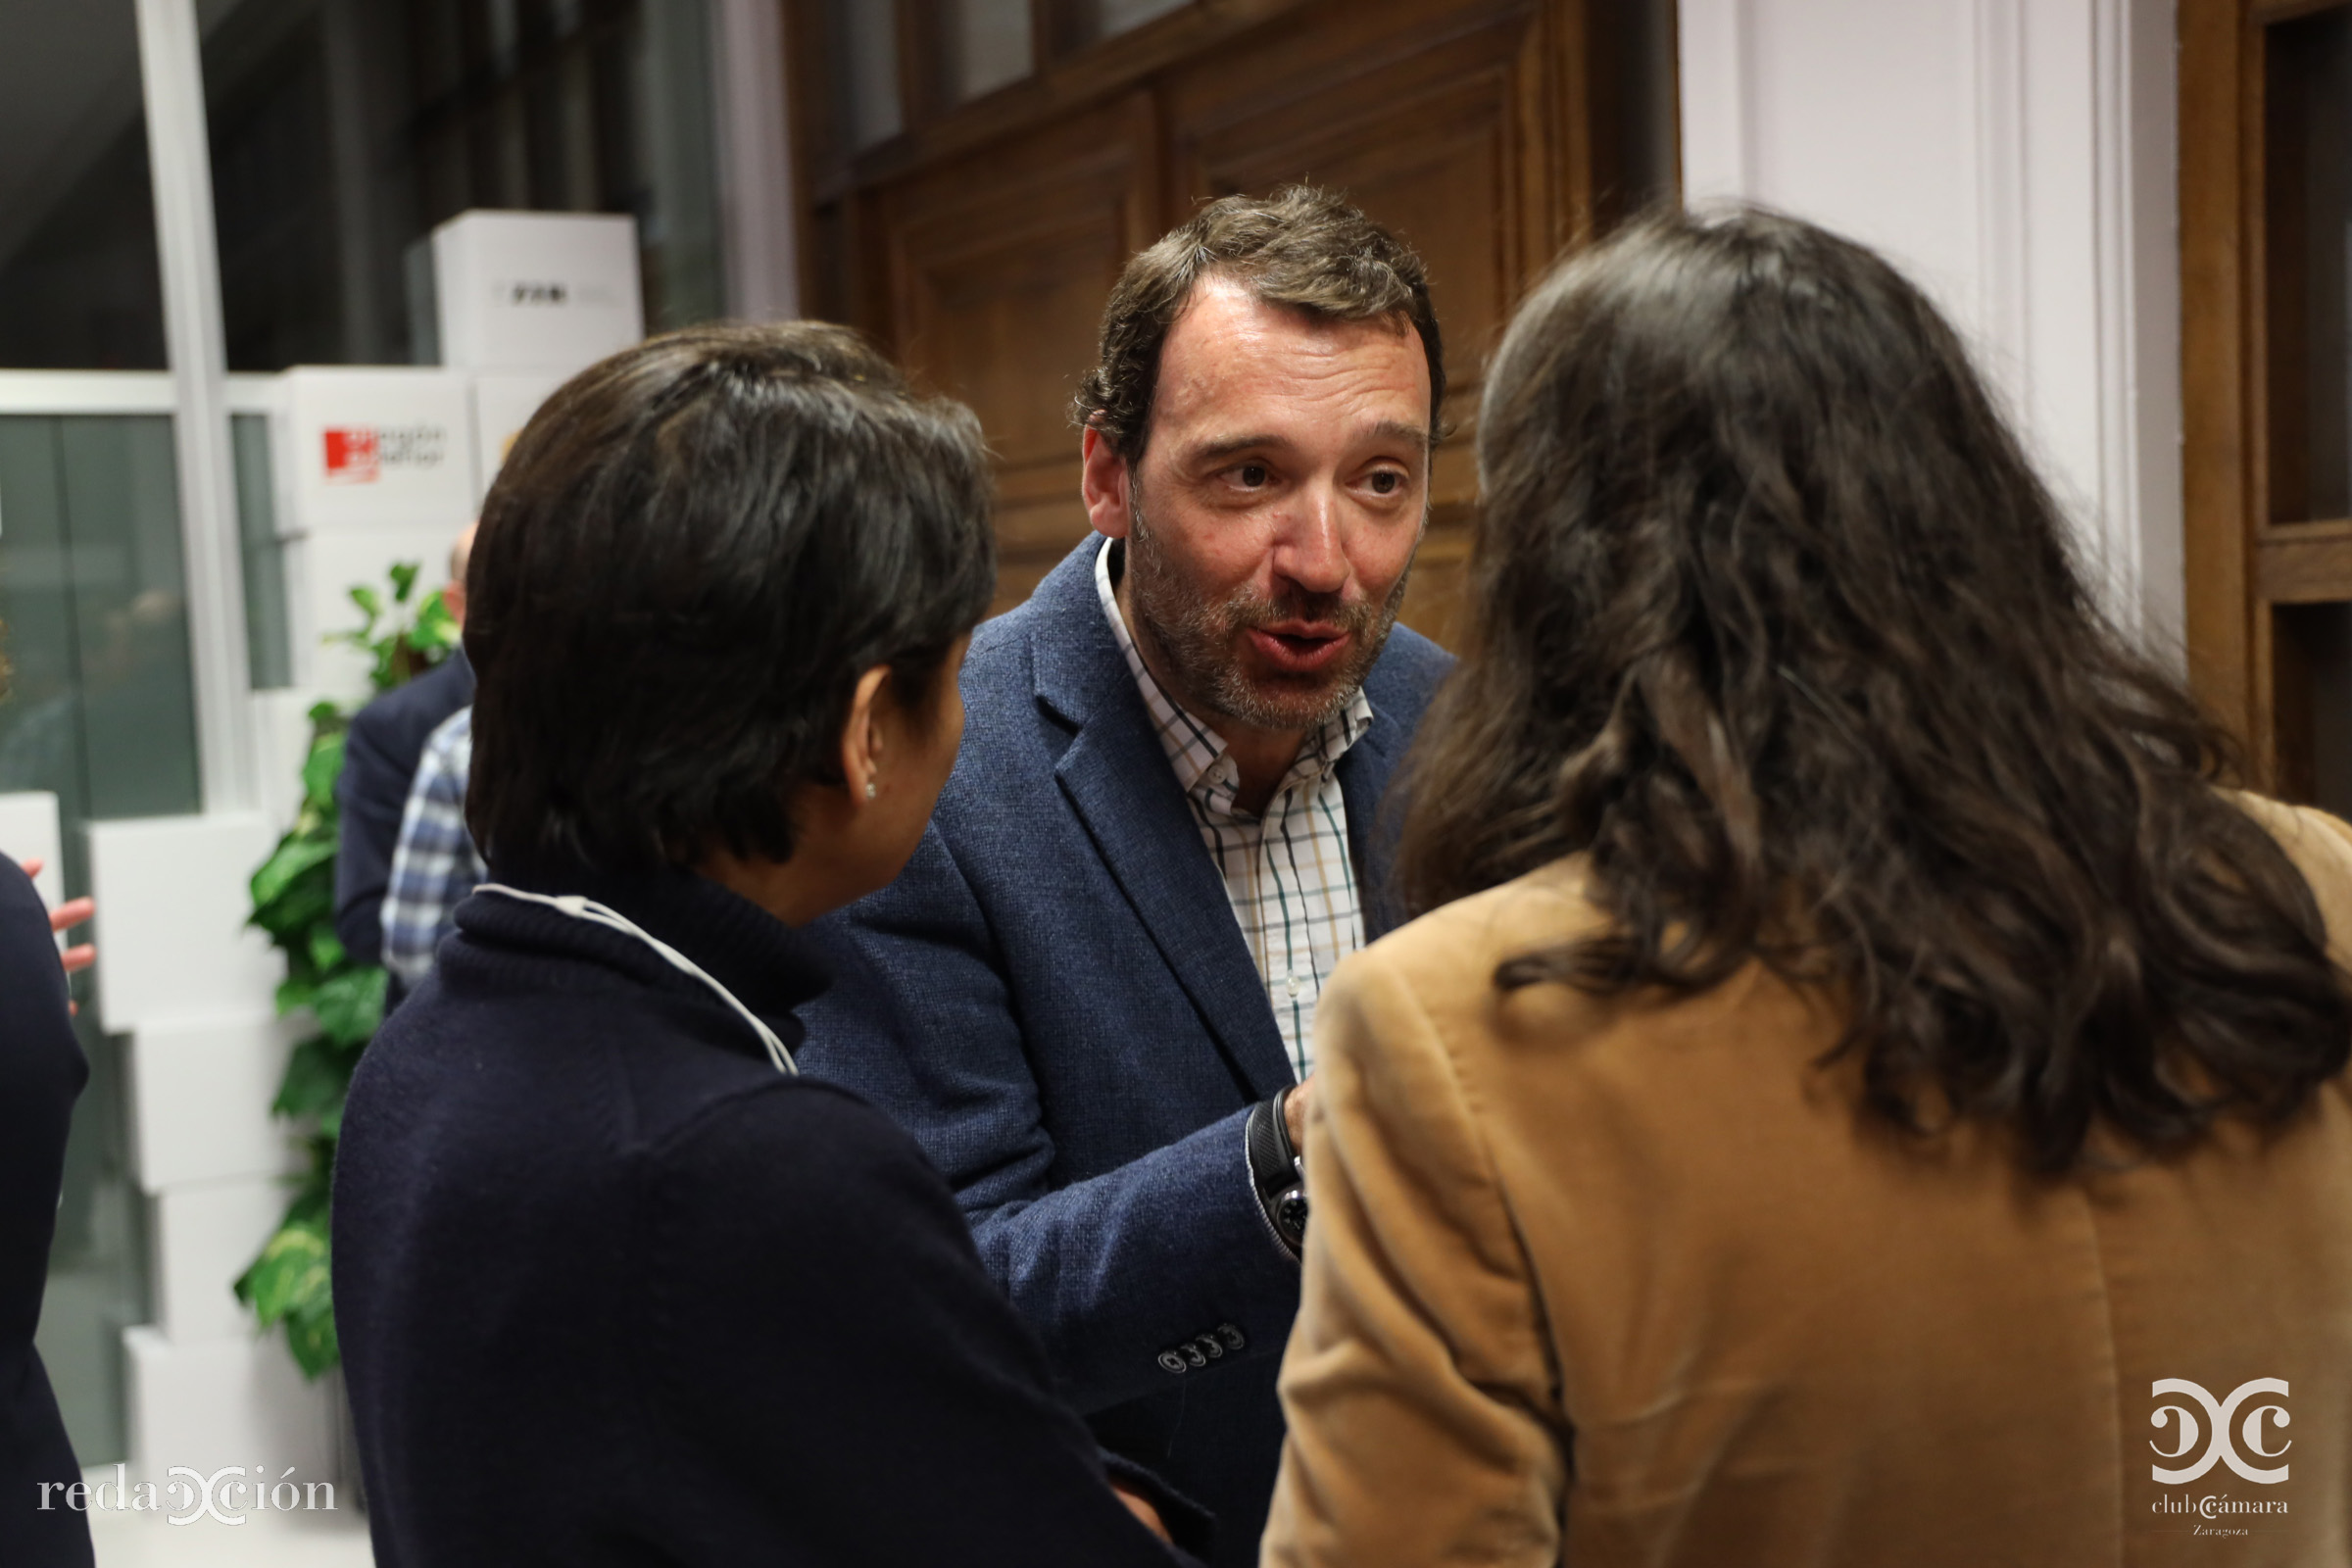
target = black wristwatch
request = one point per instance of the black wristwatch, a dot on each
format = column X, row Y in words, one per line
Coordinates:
column 1277, row 1172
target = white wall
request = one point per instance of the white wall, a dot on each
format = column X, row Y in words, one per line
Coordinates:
column 2016, row 157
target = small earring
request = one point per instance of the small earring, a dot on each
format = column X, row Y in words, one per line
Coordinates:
column 869, row 789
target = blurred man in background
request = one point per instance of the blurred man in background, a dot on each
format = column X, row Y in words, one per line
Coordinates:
column 379, row 764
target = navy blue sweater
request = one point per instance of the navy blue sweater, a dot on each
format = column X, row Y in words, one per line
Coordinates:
column 41, row 1071
column 612, row 1289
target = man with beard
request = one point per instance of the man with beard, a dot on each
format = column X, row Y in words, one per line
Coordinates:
column 1091, row 994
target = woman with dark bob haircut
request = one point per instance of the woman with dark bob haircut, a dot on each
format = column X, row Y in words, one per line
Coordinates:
column 614, row 1284
column 1863, row 1091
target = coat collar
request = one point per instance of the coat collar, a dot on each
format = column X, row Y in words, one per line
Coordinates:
column 770, row 968
column 1116, row 776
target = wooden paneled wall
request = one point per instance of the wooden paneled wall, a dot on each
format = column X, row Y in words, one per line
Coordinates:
column 978, row 246
column 2266, row 93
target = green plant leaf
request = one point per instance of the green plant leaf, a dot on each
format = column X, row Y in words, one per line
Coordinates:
column 310, row 1333
column 326, row 949
column 371, row 604
column 349, row 1006
column 404, row 580
column 294, row 991
column 320, row 770
column 317, row 1073
column 437, row 630
column 291, row 859
column 290, row 916
column 292, row 1268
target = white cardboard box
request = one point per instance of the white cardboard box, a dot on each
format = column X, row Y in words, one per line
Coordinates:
column 172, row 901
column 200, row 1094
column 206, row 1235
column 236, row 1402
column 503, row 404
column 536, row 291
column 29, row 830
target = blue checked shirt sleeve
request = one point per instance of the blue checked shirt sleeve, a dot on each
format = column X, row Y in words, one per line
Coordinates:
column 435, row 865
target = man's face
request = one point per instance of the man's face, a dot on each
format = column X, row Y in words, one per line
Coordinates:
column 1274, row 514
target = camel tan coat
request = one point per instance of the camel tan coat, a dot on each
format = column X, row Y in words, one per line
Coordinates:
column 1631, row 1283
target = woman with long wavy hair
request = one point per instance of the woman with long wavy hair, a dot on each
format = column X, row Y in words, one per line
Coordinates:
column 1864, row 1091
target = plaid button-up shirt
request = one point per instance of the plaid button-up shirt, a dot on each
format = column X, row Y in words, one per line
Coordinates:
column 435, row 865
column 1288, row 873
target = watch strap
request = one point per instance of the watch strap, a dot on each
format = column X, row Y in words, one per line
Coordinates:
column 1274, row 1171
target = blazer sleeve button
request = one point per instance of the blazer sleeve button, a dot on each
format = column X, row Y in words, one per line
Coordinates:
column 1232, row 1337
column 1170, row 1362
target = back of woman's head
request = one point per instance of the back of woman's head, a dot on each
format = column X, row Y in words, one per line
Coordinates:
column 693, row 551
column 1772, row 615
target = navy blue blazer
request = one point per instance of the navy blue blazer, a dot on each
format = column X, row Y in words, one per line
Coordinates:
column 1056, row 999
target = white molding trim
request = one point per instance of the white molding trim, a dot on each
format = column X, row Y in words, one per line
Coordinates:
column 1998, row 65
column 52, row 392
column 755, row 161
column 180, row 157
column 2137, row 149
column 1716, row 67
column 2117, row 352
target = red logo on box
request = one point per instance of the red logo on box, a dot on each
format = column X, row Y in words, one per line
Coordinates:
column 353, row 456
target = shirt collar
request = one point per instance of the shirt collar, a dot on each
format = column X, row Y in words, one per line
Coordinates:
column 1196, row 751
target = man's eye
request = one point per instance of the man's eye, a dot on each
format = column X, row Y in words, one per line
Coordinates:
column 1387, row 482
column 1253, row 475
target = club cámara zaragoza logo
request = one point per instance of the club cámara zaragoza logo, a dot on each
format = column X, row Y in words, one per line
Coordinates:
column 2220, row 1423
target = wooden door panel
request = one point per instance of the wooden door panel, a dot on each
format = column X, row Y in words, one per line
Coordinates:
column 1420, row 128
column 980, row 244
column 998, row 278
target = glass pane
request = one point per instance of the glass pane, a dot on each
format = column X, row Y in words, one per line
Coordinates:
column 1119, row 16
column 866, row 63
column 344, row 131
column 989, row 47
column 131, row 616
column 79, row 288
column 269, row 639
column 100, row 713
column 2308, row 170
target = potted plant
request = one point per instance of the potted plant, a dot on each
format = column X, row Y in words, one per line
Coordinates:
column 289, row 1285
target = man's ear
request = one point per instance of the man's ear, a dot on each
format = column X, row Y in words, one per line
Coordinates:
column 1103, row 480
column 863, row 735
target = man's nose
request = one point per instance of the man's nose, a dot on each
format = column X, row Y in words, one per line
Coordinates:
column 1310, row 550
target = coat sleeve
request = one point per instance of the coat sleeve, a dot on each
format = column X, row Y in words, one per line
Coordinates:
column 371, row 794
column 828, row 1369
column 1417, row 1387
column 1113, row 1273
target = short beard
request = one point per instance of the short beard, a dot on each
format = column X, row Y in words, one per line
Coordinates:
column 1196, row 637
